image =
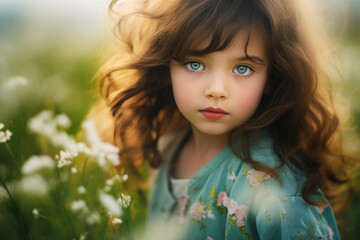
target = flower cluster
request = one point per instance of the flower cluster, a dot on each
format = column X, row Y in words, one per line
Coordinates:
column 4, row 135
column 235, row 212
column 77, row 177
column 198, row 211
column 255, row 177
column 51, row 127
column 15, row 82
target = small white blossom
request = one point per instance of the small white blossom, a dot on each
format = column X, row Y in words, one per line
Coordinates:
column 116, row 221
column 79, row 206
column 125, row 177
column 35, row 212
column 74, row 170
column 93, row 218
column 4, row 135
column 37, row 163
column 64, row 158
column 110, row 204
column 124, row 200
column 34, row 185
column 15, row 82
column 102, row 151
column 109, row 182
column 81, row 189
column 83, row 236
column 63, row 120
column 45, row 124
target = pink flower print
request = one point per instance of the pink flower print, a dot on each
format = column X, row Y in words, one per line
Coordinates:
column 240, row 214
column 226, row 201
column 198, row 211
column 232, row 206
column 255, row 177
column 209, row 238
column 221, row 197
column 240, row 222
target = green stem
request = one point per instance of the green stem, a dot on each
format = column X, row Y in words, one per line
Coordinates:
column 12, row 155
column 18, row 215
column 83, row 171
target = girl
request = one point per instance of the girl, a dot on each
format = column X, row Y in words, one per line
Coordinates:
column 224, row 96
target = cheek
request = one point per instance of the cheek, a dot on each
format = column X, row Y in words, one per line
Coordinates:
column 184, row 97
column 249, row 101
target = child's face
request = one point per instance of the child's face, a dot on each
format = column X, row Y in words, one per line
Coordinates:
column 221, row 90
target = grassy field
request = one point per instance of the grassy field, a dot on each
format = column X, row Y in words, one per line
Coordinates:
column 56, row 74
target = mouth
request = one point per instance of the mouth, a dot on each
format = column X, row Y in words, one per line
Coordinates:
column 213, row 113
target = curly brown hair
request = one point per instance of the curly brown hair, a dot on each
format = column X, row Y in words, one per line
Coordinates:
column 136, row 83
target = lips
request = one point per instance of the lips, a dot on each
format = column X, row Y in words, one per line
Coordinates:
column 213, row 113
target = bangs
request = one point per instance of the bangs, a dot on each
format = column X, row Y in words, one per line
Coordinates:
column 210, row 26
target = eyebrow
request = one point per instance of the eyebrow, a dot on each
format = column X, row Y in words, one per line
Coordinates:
column 255, row 59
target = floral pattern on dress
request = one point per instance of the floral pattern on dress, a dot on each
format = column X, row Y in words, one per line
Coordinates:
column 198, row 211
column 255, row 177
column 237, row 213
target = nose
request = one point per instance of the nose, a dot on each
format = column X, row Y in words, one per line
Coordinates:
column 217, row 88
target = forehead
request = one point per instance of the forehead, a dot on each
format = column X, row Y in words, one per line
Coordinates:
column 248, row 43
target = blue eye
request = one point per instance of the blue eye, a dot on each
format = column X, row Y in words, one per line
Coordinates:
column 243, row 70
column 194, row 66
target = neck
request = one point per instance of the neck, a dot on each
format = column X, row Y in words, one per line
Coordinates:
column 205, row 144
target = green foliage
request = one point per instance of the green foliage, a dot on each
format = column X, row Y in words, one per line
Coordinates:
column 57, row 202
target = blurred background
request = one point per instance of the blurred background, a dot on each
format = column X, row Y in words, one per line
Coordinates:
column 50, row 50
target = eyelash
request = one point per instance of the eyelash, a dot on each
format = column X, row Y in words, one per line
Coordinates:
column 248, row 68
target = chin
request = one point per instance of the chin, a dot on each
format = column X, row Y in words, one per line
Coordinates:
column 213, row 130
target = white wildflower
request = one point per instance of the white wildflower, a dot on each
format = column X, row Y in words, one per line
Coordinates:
column 64, row 158
column 34, row 185
column 110, row 204
column 4, row 135
column 83, row 236
column 93, row 218
column 102, row 151
column 41, row 123
column 116, row 221
column 35, row 212
column 109, row 182
column 62, row 120
column 45, row 124
column 37, row 163
column 124, row 200
column 15, row 82
column 79, row 206
column 92, row 136
column 81, row 189
column 74, row 170
column 81, row 148
column 125, row 177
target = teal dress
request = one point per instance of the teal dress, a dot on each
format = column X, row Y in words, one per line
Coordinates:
column 228, row 199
